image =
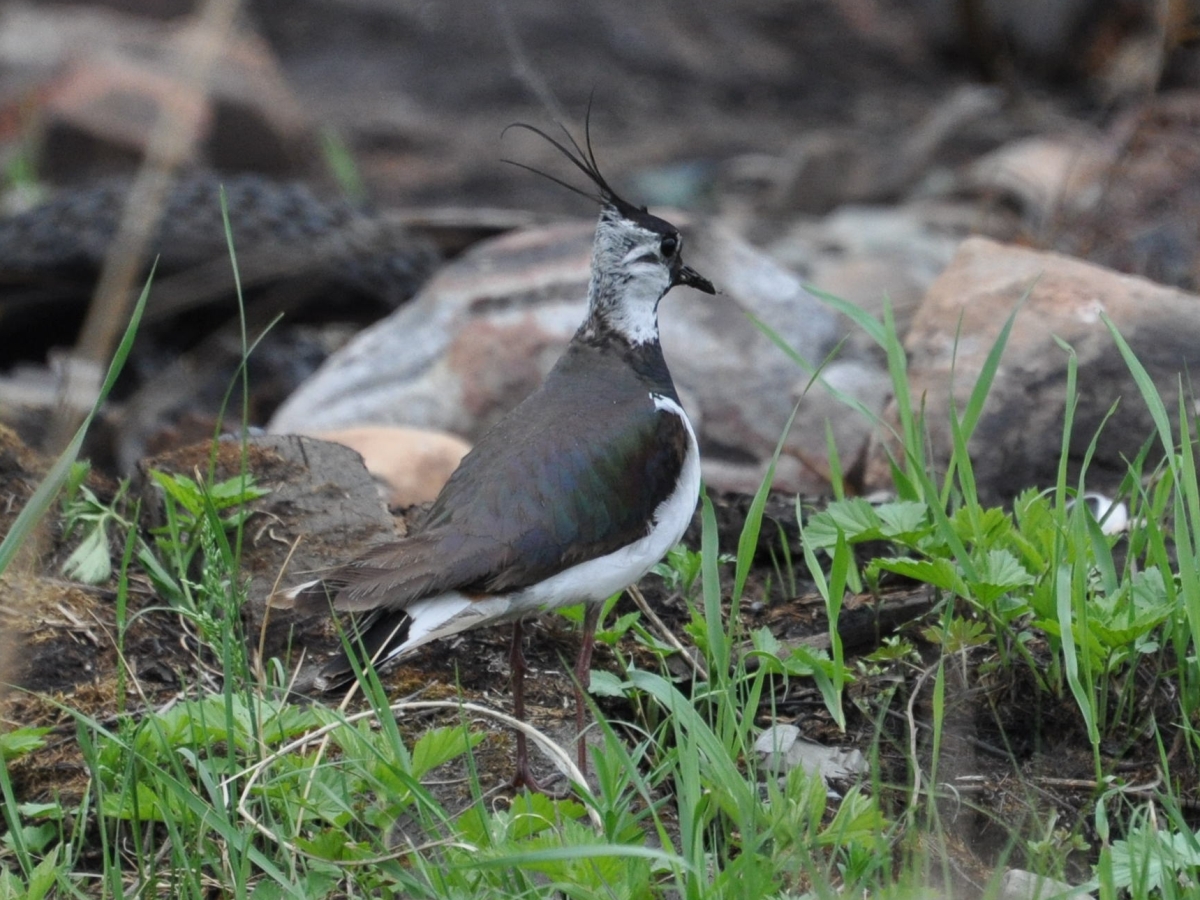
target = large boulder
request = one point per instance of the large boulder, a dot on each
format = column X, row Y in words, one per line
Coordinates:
column 1018, row 439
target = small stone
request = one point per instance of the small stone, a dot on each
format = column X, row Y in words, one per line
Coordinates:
column 1019, row 884
column 783, row 750
column 1047, row 175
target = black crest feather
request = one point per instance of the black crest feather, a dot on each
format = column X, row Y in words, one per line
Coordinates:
column 581, row 157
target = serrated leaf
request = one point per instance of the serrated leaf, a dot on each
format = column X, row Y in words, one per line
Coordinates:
column 939, row 572
column 533, row 813
column 764, row 641
column 857, row 820
column 856, row 519
column 440, row 745
column 903, row 519
column 982, row 527
column 1149, row 858
column 999, row 573
column 181, row 489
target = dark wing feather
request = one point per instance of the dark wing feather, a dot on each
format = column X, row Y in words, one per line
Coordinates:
column 372, row 632
column 557, row 482
column 598, row 498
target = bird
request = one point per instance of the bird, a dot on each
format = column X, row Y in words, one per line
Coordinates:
column 573, row 496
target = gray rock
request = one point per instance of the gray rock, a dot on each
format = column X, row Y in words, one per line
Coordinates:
column 782, row 750
column 1018, row 884
column 864, row 254
column 322, row 508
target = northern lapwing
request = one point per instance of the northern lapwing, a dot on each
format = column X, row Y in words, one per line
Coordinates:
column 572, row 497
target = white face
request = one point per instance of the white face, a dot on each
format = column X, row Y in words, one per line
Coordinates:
column 631, row 270
column 646, row 277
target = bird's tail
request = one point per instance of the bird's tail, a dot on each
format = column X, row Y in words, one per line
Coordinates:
column 373, row 640
column 373, row 637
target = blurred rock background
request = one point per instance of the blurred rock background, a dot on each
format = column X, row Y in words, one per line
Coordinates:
column 848, row 144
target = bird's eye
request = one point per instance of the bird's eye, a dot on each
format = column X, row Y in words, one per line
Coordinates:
column 669, row 245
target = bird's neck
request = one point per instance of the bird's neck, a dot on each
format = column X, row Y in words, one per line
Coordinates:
column 645, row 359
column 624, row 306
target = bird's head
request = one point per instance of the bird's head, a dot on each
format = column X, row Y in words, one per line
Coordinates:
column 636, row 258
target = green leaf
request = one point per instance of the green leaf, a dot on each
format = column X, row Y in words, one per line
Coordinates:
column 858, row 820
column 618, row 629
column 137, row 802
column 764, row 641
column 235, row 491
column 998, row 573
column 1150, row 858
column 854, row 518
column 605, row 684
column 20, row 741
column 440, row 745
column 1119, row 619
column 181, row 489
column 43, row 878
column 983, row 527
column 163, row 580
column 806, row 660
column 940, row 573
column 904, row 520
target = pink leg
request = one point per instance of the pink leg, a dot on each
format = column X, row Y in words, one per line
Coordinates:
column 517, row 666
column 583, row 669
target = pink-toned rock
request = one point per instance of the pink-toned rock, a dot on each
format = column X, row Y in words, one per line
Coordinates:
column 104, row 111
column 409, row 464
column 1017, row 441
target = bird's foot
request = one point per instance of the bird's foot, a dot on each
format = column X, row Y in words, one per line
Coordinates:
column 524, row 778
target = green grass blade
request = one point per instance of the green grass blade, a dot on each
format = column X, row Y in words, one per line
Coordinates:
column 748, row 540
column 720, row 642
column 873, row 327
column 1158, row 410
column 987, row 375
